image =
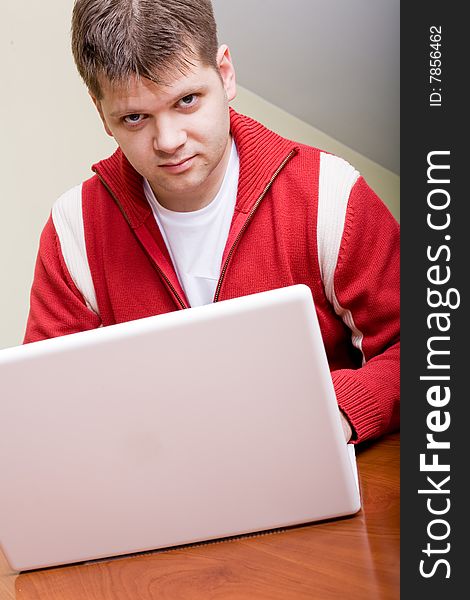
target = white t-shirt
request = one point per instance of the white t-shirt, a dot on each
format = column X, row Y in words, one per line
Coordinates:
column 196, row 239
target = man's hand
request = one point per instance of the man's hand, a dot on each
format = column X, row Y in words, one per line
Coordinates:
column 346, row 427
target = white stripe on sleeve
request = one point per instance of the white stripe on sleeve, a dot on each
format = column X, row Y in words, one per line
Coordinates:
column 337, row 178
column 68, row 222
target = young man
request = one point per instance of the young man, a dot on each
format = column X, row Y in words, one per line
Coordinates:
column 200, row 204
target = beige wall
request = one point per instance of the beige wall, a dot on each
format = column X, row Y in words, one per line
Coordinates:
column 50, row 135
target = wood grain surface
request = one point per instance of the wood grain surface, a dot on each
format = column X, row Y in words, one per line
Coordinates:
column 354, row 558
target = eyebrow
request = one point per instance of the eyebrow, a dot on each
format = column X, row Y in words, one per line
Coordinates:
column 186, row 91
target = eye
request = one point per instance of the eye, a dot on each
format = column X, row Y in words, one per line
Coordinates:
column 188, row 101
column 133, row 119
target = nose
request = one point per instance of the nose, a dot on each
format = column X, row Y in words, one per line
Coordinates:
column 169, row 136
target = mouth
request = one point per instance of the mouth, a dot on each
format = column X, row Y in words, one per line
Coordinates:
column 178, row 167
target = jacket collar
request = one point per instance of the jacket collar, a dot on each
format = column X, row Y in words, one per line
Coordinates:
column 261, row 153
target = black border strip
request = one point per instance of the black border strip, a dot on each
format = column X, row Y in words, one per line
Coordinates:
column 434, row 273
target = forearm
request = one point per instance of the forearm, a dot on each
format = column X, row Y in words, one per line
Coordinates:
column 370, row 396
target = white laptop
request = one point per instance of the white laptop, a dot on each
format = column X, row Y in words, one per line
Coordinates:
column 200, row 424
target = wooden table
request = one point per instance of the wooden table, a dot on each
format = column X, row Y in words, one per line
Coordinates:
column 356, row 557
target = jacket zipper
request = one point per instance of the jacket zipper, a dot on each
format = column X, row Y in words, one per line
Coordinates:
column 162, row 274
column 247, row 222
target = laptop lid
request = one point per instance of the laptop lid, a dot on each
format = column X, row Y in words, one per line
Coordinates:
column 211, row 422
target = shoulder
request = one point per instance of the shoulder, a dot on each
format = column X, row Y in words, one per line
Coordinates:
column 67, row 209
column 334, row 169
column 67, row 217
column 336, row 180
column 76, row 205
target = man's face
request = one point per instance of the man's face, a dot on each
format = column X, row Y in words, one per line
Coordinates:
column 176, row 136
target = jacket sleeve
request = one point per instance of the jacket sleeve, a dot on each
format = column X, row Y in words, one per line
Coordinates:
column 367, row 290
column 56, row 305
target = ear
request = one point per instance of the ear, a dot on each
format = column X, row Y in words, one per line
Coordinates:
column 227, row 71
column 99, row 108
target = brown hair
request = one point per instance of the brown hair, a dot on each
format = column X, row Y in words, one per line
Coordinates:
column 118, row 39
